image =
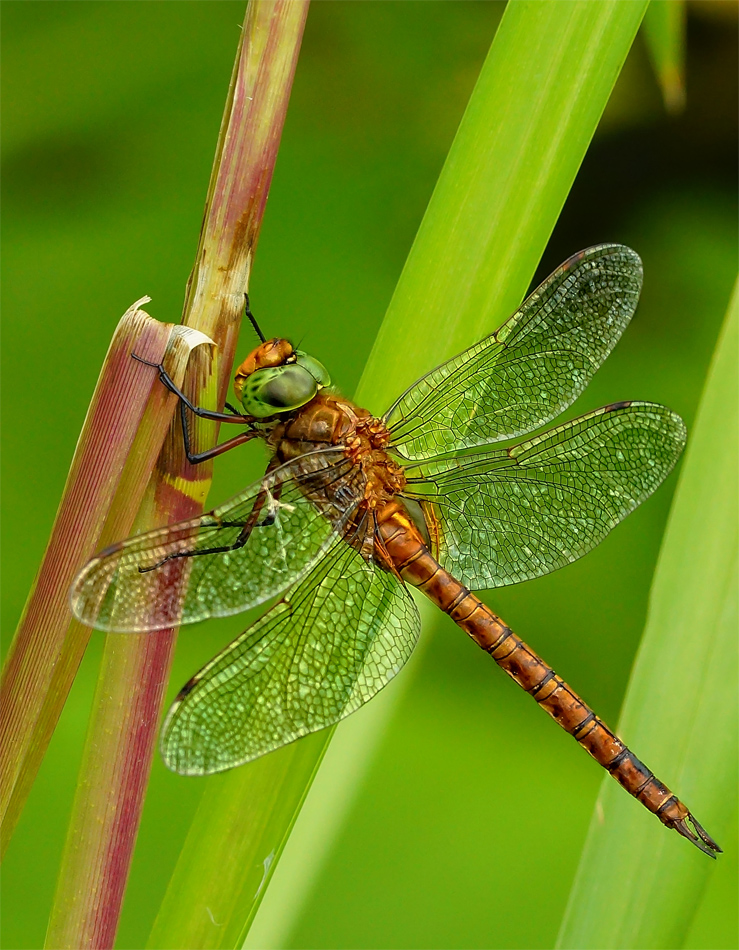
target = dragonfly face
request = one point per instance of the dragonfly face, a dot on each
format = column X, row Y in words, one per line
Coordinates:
column 275, row 379
column 353, row 509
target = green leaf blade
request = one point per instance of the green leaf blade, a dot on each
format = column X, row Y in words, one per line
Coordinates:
column 664, row 32
column 532, row 115
column 523, row 137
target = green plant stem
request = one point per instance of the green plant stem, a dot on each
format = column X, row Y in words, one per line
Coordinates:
column 637, row 886
column 524, row 134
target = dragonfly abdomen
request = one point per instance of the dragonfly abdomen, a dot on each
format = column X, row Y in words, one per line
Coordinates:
column 417, row 566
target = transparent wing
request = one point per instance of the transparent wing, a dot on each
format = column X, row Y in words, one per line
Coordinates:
column 513, row 514
column 238, row 555
column 529, row 370
column 315, row 657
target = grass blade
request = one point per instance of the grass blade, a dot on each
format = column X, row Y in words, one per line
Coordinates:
column 664, row 32
column 637, row 886
column 531, row 117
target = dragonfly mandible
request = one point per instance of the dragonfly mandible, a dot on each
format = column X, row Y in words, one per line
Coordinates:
column 353, row 509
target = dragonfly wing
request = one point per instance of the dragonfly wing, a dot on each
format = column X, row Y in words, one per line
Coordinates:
column 530, row 369
column 293, row 513
column 513, row 514
column 331, row 644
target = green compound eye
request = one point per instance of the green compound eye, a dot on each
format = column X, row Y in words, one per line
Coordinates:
column 317, row 370
column 278, row 389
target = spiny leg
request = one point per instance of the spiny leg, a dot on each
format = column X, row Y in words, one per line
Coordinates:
column 252, row 319
column 195, row 458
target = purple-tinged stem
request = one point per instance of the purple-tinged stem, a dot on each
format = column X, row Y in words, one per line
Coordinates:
column 48, row 645
column 123, row 730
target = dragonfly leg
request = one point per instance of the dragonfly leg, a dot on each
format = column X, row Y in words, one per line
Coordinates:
column 195, row 458
column 199, row 411
column 252, row 319
column 246, row 529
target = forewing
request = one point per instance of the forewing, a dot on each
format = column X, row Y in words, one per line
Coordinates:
column 529, row 370
column 315, row 657
column 510, row 515
column 136, row 585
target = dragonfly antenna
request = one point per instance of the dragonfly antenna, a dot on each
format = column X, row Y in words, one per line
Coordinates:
column 252, row 318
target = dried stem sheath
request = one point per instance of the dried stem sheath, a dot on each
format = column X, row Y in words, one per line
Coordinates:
column 48, row 646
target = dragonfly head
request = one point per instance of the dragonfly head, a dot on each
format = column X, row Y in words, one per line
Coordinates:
column 276, row 378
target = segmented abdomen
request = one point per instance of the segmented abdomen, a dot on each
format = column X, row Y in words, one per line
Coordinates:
column 417, row 566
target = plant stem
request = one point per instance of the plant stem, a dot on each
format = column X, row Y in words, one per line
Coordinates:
column 122, row 732
column 48, row 646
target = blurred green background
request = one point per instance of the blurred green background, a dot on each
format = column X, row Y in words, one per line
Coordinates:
column 467, row 829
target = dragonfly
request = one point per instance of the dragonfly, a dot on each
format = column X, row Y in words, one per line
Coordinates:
column 353, row 510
